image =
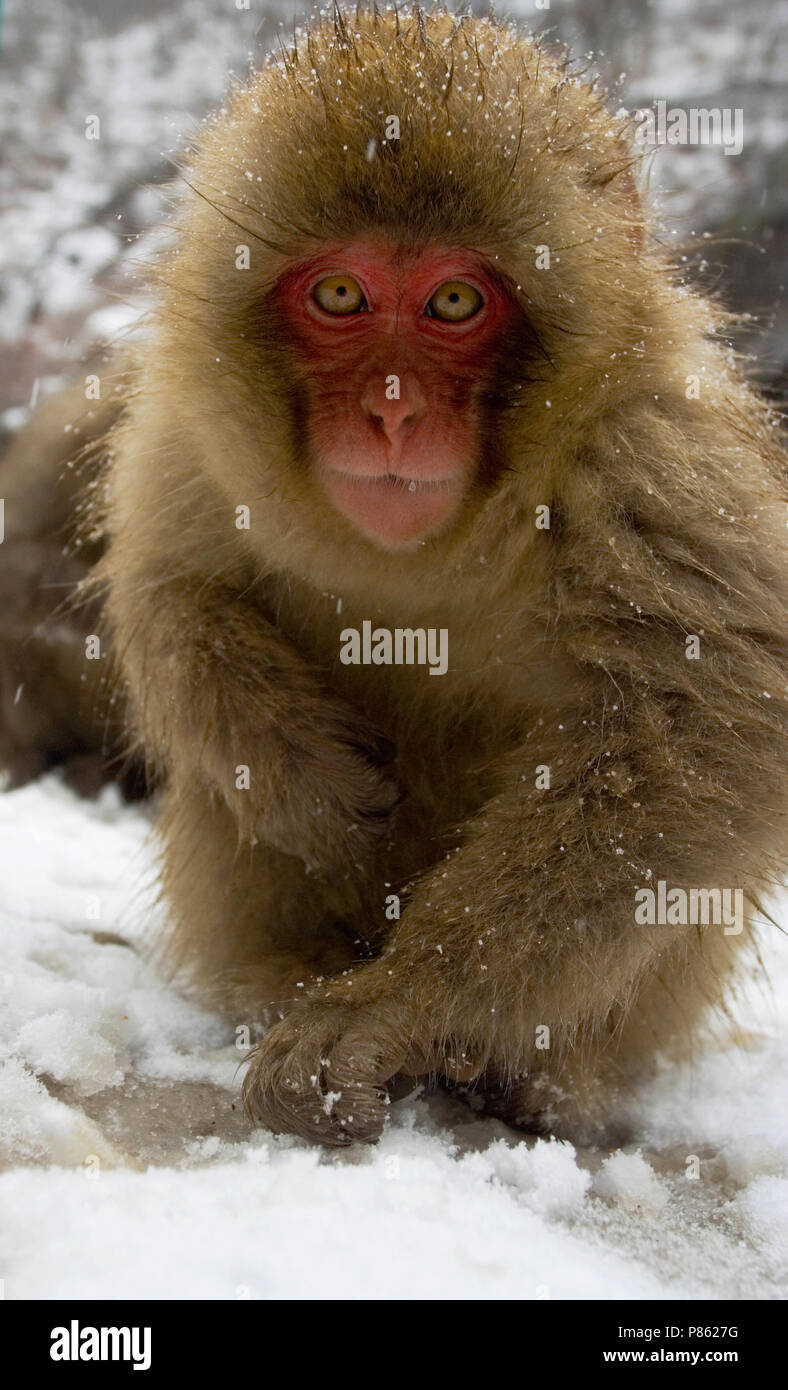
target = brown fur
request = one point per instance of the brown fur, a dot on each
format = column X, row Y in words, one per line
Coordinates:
column 53, row 708
column 567, row 646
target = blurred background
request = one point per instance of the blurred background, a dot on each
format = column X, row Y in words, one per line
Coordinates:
column 79, row 216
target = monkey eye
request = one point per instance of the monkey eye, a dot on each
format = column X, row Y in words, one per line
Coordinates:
column 339, row 294
column 454, row 302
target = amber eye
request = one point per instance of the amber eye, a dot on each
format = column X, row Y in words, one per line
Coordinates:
column 454, row 302
column 339, row 294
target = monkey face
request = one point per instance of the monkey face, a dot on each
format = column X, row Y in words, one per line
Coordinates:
column 395, row 352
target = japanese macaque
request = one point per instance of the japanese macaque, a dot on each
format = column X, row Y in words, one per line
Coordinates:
column 417, row 372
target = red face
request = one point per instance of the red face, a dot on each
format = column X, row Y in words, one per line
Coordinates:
column 395, row 352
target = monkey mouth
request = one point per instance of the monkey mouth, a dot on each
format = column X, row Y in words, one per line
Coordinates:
column 398, row 480
column 393, row 509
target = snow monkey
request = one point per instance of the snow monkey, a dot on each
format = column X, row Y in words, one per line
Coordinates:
column 445, row 572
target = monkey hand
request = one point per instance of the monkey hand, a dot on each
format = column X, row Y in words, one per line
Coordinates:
column 335, row 794
column 324, row 1071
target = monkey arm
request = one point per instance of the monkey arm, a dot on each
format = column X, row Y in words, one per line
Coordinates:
column 529, row 924
column 220, row 694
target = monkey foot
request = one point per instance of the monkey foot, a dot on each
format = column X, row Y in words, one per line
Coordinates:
column 537, row 1104
column 526, row 1103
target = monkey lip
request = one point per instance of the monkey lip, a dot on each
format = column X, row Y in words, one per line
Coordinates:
column 392, row 508
column 396, row 480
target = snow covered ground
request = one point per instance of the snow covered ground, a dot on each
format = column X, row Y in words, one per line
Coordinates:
column 130, row 1170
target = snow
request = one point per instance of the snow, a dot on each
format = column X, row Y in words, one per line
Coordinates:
column 129, row 1169
column 627, row 1178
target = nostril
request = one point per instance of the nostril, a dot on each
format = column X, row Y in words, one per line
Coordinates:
column 393, row 421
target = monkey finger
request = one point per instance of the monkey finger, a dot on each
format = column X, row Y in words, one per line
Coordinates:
column 284, row 1090
column 311, row 1078
column 356, row 1073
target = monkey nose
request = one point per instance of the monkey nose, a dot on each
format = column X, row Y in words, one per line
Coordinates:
column 394, row 403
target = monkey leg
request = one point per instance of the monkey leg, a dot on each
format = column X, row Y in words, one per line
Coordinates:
column 528, row 932
column 252, row 927
column 577, row 1096
column 324, row 1072
column 231, row 691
